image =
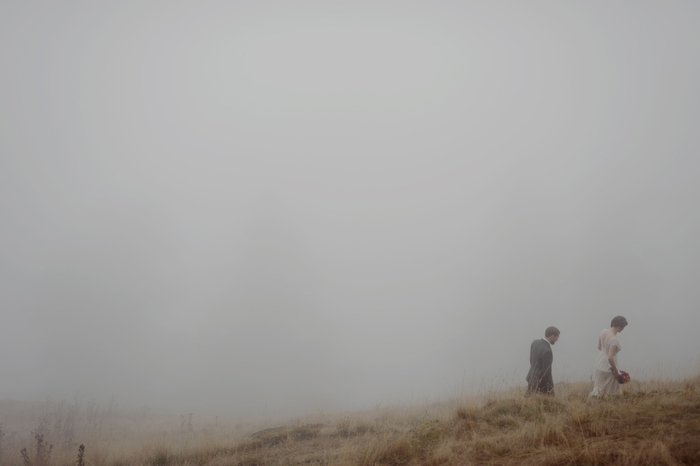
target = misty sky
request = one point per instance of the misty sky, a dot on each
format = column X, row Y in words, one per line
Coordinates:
column 292, row 205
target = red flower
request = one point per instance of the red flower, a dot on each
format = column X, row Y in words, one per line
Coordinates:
column 624, row 377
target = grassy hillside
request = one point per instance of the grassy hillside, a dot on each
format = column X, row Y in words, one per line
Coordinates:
column 651, row 423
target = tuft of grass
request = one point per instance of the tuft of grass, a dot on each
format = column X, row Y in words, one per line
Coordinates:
column 391, row 450
column 269, row 437
column 43, row 452
column 305, row 431
column 363, row 428
column 81, row 455
column 160, row 456
column 343, row 427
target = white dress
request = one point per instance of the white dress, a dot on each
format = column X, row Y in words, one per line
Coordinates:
column 605, row 381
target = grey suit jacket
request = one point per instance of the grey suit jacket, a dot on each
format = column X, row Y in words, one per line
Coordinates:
column 539, row 379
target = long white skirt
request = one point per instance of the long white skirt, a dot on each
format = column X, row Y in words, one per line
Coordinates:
column 605, row 383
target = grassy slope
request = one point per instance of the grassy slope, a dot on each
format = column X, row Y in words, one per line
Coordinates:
column 652, row 423
column 649, row 424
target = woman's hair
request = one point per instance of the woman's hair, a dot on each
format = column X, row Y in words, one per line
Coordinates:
column 619, row 321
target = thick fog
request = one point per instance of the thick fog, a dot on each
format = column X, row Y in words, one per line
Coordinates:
column 272, row 207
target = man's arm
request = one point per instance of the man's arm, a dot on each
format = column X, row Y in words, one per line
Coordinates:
column 547, row 381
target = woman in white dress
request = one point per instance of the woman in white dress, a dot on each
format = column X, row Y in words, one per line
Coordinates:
column 606, row 370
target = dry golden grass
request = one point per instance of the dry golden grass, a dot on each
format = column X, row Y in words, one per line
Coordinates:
column 651, row 423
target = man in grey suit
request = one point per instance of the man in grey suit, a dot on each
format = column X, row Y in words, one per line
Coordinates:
column 539, row 379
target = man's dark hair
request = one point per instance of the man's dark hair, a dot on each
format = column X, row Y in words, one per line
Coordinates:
column 619, row 321
column 552, row 331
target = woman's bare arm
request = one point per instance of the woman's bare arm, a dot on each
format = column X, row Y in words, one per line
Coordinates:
column 611, row 359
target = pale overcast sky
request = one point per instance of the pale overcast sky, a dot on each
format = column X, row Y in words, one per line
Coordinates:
column 238, row 206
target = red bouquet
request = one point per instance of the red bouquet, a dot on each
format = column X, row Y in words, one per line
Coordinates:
column 624, row 377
